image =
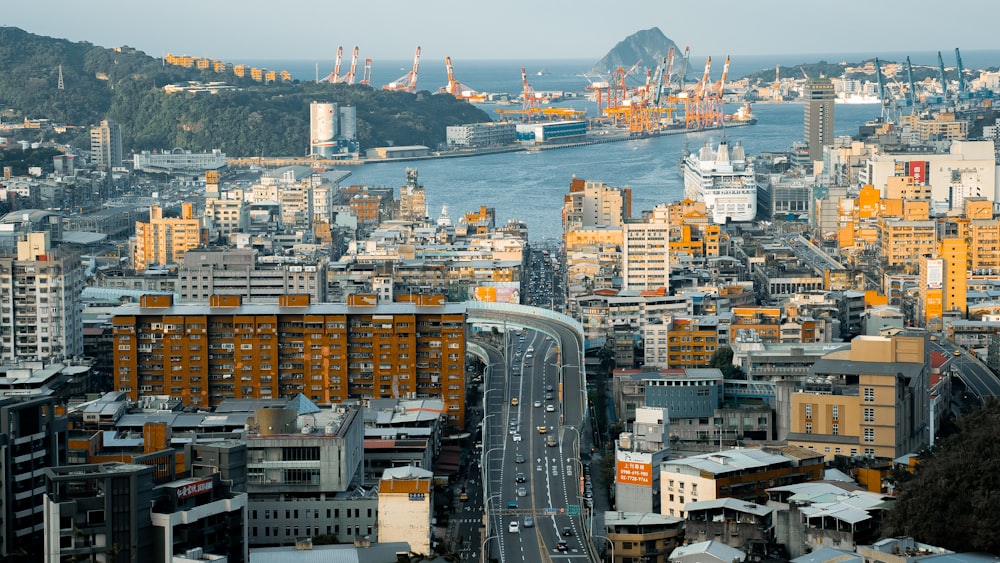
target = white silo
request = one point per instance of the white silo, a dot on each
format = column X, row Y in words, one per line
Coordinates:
column 322, row 128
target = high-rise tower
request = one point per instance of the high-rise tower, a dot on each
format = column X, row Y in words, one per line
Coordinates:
column 106, row 145
column 819, row 96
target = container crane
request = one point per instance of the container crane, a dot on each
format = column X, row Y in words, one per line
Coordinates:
column 961, row 79
column 349, row 78
column 456, row 88
column 334, row 76
column 880, row 84
column 366, row 77
column 407, row 82
column 944, row 83
column 909, row 78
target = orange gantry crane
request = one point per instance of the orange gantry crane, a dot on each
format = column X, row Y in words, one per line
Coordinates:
column 335, row 77
column 407, row 82
column 457, row 89
column 366, row 77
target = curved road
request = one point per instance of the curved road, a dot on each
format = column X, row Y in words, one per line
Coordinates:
column 517, row 459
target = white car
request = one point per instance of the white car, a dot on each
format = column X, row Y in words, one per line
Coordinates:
column 550, row 408
column 517, row 437
column 538, row 404
column 513, row 528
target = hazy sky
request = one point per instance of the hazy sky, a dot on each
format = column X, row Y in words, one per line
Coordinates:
column 235, row 30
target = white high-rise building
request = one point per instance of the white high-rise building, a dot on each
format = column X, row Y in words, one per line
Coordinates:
column 106, row 145
column 40, row 311
column 645, row 255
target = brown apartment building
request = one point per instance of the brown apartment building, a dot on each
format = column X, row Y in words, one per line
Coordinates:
column 203, row 355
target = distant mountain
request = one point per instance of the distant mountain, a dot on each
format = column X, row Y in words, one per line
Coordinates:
column 647, row 47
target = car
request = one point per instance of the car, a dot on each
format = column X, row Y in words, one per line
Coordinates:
column 512, row 504
column 562, row 546
column 513, row 401
column 542, row 430
column 538, row 404
column 550, row 408
column 528, row 522
column 519, row 458
column 567, row 531
column 548, row 338
column 519, row 477
column 517, row 437
column 522, row 492
column 933, row 337
column 548, row 396
column 958, row 352
column 464, row 496
column 513, row 528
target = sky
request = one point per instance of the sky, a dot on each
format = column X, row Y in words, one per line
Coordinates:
column 236, row 30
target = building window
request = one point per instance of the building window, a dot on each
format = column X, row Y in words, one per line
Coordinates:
column 835, row 429
column 870, row 452
column 869, row 394
column 809, row 410
column 835, row 412
column 809, row 428
column 869, row 415
column 869, row 435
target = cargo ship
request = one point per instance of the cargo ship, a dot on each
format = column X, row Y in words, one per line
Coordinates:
column 724, row 179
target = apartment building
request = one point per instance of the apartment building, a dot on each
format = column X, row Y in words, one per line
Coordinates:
column 215, row 271
column 32, row 438
column 642, row 536
column 870, row 399
column 328, row 352
column 163, row 241
column 645, row 262
column 743, row 474
column 591, row 204
column 106, row 145
column 40, row 292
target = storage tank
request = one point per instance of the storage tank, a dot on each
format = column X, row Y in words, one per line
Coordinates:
column 322, row 128
column 349, row 123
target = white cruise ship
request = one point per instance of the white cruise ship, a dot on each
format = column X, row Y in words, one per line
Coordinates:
column 724, row 180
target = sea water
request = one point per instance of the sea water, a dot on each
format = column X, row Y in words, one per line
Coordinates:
column 530, row 186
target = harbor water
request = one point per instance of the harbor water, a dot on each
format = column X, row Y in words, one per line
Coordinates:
column 530, row 186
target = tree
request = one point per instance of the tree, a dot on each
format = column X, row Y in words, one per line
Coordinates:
column 723, row 359
column 957, row 482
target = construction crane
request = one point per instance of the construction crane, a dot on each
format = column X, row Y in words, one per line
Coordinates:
column 881, row 92
column 407, row 82
column 366, row 77
column 668, row 67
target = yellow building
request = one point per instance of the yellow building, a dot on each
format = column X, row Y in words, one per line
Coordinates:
column 984, row 244
column 328, row 352
column 954, row 253
column 871, row 399
column 905, row 188
column 692, row 341
column 901, row 241
column 931, row 306
column 766, row 321
column 163, row 241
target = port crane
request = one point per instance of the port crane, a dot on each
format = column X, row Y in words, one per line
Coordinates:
column 912, row 101
column 366, row 77
column 407, row 82
column 334, row 76
column 349, row 78
column 944, row 82
column 457, row 89
column 530, row 109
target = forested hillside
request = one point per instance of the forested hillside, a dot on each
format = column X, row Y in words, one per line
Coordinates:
column 126, row 85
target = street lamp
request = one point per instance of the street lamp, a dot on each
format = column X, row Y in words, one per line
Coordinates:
column 482, row 546
column 607, row 543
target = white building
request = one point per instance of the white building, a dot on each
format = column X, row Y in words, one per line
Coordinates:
column 645, row 257
column 40, row 293
column 405, row 507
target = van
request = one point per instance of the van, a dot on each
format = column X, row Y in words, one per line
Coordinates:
column 551, row 441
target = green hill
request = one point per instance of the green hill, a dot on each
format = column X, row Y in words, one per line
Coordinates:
column 126, row 85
